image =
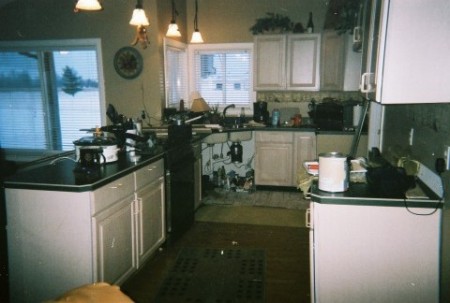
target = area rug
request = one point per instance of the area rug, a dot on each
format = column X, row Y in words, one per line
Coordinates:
column 211, row 275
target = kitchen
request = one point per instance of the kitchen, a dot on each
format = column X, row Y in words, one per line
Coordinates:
column 43, row 20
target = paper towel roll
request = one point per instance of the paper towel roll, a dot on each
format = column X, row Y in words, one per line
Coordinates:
column 356, row 114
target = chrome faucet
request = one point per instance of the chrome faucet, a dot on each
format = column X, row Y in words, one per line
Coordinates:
column 226, row 108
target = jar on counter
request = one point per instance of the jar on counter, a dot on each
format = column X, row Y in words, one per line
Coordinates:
column 275, row 117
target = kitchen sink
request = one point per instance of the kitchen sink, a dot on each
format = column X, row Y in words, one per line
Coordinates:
column 216, row 138
column 240, row 136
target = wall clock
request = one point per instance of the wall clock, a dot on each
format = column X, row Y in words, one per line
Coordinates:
column 128, row 62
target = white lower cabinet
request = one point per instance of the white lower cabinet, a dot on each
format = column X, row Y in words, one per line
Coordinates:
column 279, row 154
column 61, row 240
column 150, row 224
column 115, row 245
column 364, row 254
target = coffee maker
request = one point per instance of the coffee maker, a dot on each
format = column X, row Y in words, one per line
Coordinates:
column 260, row 112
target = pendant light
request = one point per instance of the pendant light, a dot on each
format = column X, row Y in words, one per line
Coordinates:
column 196, row 36
column 88, row 5
column 139, row 18
column 173, row 30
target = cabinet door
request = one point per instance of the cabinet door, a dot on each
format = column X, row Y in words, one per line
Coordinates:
column 150, row 219
column 413, row 64
column 303, row 62
column 332, row 61
column 391, row 253
column 305, row 150
column 341, row 143
column 273, row 164
column 115, row 249
column 269, row 62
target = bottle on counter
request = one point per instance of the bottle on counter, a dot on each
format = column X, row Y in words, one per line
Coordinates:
column 242, row 116
column 275, row 117
column 181, row 105
column 310, row 24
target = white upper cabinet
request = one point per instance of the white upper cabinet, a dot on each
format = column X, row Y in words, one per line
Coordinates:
column 270, row 62
column 287, row 62
column 413, row 64
column 340, row 66
column 332, row 61
column 303, row 62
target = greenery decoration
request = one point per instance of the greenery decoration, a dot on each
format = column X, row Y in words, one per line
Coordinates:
column 348, row 16
column 275, row 23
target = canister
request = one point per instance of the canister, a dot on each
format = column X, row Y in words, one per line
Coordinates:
column 275, row 117
column 333, row 172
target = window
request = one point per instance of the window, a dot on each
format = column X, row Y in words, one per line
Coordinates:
column 175, row 63
column 222, row 73
column 49, row 90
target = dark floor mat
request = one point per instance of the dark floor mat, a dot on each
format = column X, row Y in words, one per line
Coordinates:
column 207, row 275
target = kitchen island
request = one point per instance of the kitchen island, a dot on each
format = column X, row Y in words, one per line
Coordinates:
column 367, row 248
column 66, row 230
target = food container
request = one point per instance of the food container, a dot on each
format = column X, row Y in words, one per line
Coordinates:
column 333, row 172
column 107, row 144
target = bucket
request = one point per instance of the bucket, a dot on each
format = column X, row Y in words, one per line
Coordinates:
column 333, row 172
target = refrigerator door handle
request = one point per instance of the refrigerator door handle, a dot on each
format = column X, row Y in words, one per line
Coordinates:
column 367, row 83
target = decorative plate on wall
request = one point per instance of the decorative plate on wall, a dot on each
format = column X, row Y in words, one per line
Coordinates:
column 128, row 62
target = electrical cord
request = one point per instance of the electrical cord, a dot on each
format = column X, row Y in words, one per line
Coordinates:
column 426, row 214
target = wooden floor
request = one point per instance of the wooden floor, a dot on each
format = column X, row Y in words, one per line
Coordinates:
column 287, row 257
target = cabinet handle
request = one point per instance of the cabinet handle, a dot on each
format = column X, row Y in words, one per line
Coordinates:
column 116, row 186
column 151, row 168
column 367, row 83
column 308, row 218
column 138, row 206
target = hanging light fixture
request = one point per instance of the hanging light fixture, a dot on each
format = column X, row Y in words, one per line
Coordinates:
column 139, row 18
column 88, row 5
column 173, row 30
column 196, row 36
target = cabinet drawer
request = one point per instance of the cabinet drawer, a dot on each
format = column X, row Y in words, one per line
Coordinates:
column 149, row 173
column 274, row 137
column 112, row 192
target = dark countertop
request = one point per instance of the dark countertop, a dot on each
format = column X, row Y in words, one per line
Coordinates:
column 203, row 131
column 361, row 194
column 58, row 173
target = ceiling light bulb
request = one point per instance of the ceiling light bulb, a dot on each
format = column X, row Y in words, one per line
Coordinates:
column 196, row 37
column 88, row 5
column 173, row 30
column 139, row 18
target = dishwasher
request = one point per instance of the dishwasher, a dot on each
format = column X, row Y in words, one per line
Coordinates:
column 180, row 185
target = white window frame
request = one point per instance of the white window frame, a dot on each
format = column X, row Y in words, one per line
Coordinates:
column 192, row 48
column 27, row 155
column 181, row 47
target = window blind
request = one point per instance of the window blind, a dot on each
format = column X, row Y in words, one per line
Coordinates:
column 176, row 76
column 223, row 76
column 47, row 94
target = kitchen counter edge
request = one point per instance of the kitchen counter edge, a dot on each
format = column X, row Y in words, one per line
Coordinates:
column 359, row 194
column 63, row 174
